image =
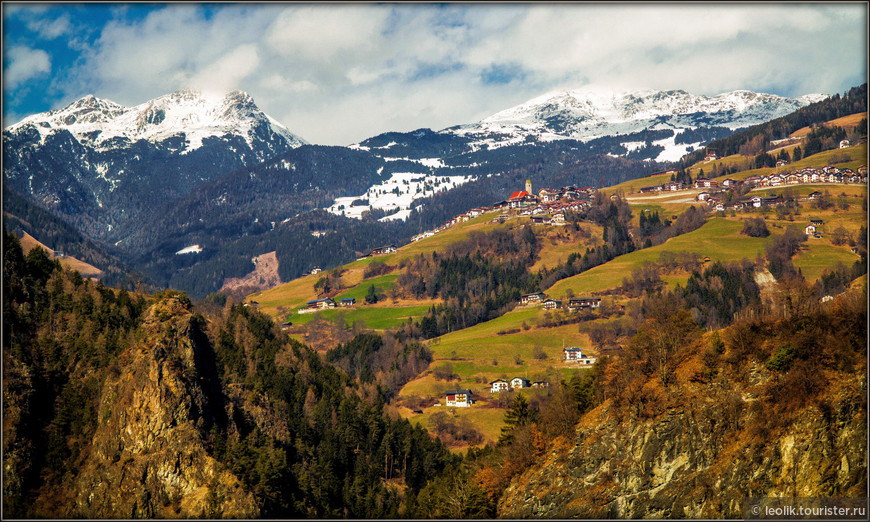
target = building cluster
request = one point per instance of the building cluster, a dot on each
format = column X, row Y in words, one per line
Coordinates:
column 517, row 383
column 548, row 201
column 805, row 175
column 325, row 304
column 573, row 304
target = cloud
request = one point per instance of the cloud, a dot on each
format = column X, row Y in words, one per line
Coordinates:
column 51, row 28
column 226, row 72
column 24, row 64
column 337, row 74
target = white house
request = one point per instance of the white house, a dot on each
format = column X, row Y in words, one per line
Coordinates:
column 550, row 304
column 519, row 382
column 460, row 398
column 810, row 230
column 498, row 385
column 575, row 354
column 529, row 298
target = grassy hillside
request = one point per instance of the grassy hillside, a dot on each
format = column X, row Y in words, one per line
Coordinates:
column 86, row 270
column 519, row 343
column 846, row 122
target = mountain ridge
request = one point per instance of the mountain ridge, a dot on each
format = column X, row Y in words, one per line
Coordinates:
column 585, row 114
column 195, row 114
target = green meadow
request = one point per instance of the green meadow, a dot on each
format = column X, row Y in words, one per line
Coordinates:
column 375, row 317
column 719, row 239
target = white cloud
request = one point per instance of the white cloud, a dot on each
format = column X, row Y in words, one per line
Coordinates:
column 24, row 64
column 337, row 74
column 227, row 72
column 51, row 28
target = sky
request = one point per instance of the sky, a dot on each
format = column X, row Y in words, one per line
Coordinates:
column 336, row 74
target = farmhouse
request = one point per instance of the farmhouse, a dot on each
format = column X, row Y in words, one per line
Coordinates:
column 584, row 302
column 530, row 298
column 383, row 250
column 550, row 304
column 315, row 270
column 348, row 301
column 519, row 382
column 460, row 398
column 575, row 354
column 321, row 304
column 540, row 384
column 810, row 230
column 498, row 385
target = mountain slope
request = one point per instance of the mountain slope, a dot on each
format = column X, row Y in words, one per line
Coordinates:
column 105, row 168
column 193, row 115
column 588, row 114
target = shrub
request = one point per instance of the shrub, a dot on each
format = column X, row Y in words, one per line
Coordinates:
column 782, row 358
column 755, row 227
column 445, row 372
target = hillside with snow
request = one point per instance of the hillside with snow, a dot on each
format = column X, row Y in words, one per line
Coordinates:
column 587, row 114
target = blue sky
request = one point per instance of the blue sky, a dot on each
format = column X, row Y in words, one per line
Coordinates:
column 336, row 74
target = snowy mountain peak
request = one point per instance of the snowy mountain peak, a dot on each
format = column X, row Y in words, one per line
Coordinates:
column 588, row 113
column 193, row 114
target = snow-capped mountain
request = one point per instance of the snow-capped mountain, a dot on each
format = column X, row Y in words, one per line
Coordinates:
column 587, row 114
column 187, row 113
column 104, row 167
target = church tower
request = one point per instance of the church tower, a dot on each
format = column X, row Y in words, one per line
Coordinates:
column 529, row 186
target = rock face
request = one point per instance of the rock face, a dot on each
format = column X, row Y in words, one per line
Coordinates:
column 148, row 457
column 262, row 277
column 700, row 461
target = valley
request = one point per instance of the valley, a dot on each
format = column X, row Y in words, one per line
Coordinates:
column 405, row 328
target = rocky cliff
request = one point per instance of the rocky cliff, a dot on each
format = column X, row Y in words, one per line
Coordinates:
column 712, row 447
column 148, row 457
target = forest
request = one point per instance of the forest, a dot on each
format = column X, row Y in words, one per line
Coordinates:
column 66, row 337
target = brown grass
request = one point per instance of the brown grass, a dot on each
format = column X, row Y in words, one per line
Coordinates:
column 28, row 243
column 846, row 122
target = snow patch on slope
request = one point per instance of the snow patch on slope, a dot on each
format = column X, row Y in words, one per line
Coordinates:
column 396, row 194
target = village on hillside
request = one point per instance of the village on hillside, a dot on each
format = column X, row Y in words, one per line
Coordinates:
column 806, row 175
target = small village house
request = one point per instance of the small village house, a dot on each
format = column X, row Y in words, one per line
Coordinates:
column 460, row 398
column 584, row 302
column 532, row 298
column 575, row 354
column 498, row 385
column 519, row 382
column 321, row 304
column 550, row 304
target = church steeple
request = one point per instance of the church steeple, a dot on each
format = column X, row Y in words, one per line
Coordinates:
column 529, row 186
